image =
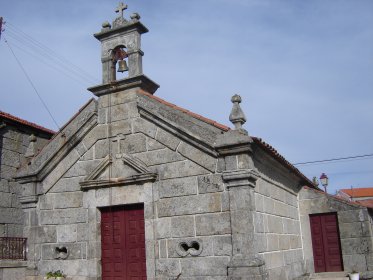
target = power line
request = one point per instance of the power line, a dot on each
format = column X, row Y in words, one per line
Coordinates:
column 32, row 84
column 334, row 159
column 51, row 52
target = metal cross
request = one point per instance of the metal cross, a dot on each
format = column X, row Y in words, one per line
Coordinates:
column 121, row 8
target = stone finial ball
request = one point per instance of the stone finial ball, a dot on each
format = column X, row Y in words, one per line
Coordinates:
column 236, row 98
column 135, row 16
column 106, row 24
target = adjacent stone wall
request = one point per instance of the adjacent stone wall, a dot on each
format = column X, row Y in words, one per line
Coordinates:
column 13, row 145
column 278, row 229
column 355, row 229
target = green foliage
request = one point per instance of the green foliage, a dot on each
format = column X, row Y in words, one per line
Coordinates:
column 55, row 274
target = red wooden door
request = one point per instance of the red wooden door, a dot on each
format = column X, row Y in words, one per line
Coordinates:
column 123, row 243
column 326, row 243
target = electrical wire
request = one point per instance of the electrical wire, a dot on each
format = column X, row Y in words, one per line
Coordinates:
column 334, row 159
column 50, row 52
column 42, row 55
column 31, row 83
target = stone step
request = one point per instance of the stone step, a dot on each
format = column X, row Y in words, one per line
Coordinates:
column 330, row 276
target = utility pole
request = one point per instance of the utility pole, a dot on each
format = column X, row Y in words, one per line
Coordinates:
column 1, row 26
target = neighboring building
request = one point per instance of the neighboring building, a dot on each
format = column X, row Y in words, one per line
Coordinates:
column 19, row 140
column 363, row 196
column 134, row 187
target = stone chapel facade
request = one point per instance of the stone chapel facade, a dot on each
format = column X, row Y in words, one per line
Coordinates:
column 134, row 187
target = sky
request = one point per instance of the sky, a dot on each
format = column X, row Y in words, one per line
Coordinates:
column 304, row 69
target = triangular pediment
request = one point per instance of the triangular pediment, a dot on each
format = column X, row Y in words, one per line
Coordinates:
column 121, row 170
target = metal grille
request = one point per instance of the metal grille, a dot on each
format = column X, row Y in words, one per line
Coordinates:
column 13, row 248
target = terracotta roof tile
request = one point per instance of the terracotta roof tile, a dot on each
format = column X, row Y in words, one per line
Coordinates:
column 358, row 192
column 366, row 202
column 26, row 123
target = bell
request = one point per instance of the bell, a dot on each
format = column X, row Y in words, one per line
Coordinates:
column 122, row 66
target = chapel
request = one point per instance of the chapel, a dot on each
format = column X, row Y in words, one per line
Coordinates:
column 134, row 188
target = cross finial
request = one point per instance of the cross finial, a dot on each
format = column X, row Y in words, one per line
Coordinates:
column 121, row 8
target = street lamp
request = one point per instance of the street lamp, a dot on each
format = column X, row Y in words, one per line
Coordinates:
column 324, row 181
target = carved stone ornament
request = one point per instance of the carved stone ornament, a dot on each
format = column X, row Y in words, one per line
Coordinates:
column 192, row 248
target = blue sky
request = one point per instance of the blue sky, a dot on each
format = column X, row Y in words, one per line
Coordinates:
column 304, row 69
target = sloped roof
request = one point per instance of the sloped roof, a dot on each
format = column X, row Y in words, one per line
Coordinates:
column 358, row 192
column 366, row 202
column 10, row 117
column 268, row 148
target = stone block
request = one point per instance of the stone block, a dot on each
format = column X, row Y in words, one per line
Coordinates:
column 67, row 185
column 275, row 224
column 231, row 162
column 185, row 205
column 43, row 234
column 135, row 143
column 273, row 242
column 208, row 266
column 74, row 251
column 159, row 157
column 13, row 273
column 68, row 200
column 5, row 199
column 176, row 187
column 4, row 185
column 167, row 268
column 163, row 228
column 101, row 148
column 162, row 249
column 356, row 245
column 284, row 242
column 167, row 139
column 102, row 116
column 152, row 145
column 144, row 126
column 205, row 243
column 280, row 209
column 259, row 202
column 82, row 168
column 118, row 112
column 268, row 205
column 179, row 169
column 213, row 224
column 121, row 127
column 274, row 259
column 295, row 242
column 210, row 183
column 351, row 216
column 82, row 231
column 63, row 216
column 197, row 156
column 259, row 222
column 350, row 230
column 182, row 226
column 66, row 233
column 260, row 243
column 129, row 194
column 10, row 158
column 222, row 245
column 355, row 262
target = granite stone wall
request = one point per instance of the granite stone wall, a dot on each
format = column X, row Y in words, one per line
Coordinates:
column 13, row 145
column 355, row 229
column 278, row 229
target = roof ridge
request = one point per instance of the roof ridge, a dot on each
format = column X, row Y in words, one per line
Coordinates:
column 190, row 113
column 25, row 122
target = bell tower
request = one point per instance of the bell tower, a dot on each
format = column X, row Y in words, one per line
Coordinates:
column 121, row 52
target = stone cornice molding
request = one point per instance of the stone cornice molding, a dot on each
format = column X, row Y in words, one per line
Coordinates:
column 144, row 175
column 240, row 178
column 45, row 163
column 233, row 142
column 140, row 81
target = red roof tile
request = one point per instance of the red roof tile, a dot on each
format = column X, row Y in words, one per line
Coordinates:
column 24, row 122
column 358, row 192
column 366, row 202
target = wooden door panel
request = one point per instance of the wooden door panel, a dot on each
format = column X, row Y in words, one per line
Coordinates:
column 326, row 242
column 123, row 243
